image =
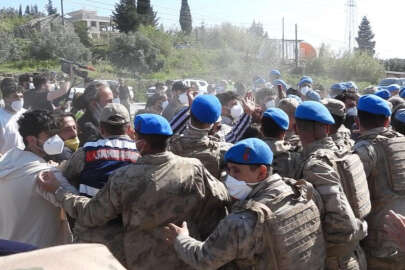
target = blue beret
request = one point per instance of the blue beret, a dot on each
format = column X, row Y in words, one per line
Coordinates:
column 393, row 87
column 250, row 151
column 384, row 93
column 152, row 124
column 295, row 97
column 374, row 104
column 280, row 82
column 339, row 87
column 275, row 72
column 402, row 93
column 313, row 95
column 259, row 81
column 400, row 115
column 206, row 108
column 351, row 85
column 305, row 79
column 278, row 116
column 314, row 111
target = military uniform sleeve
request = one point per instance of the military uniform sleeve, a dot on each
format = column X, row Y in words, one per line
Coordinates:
column 367, row 154
column 341, row 226
column 232, row 239
column 106, row 205
column 74, row 166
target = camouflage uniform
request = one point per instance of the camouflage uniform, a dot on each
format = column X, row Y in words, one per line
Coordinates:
column 238, row 241
column 110, row 234
column 285, row 162
column 343, row 230
column 342, row 139
column 158, row 189
column 172, row 109
column 380, row 253
column 198, row 144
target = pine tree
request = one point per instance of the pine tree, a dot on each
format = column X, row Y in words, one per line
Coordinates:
column 126, row 16
column 50, row 9
column 146, row 13
column 36, row 12
column 365, row 37
column 186, row 22
column 27, row 10
column 20, row 11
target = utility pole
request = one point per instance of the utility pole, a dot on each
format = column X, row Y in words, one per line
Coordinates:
column 63, row 15
column 283, row 41
column 296, row 45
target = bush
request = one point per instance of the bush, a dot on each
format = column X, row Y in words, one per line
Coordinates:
column 58, row 42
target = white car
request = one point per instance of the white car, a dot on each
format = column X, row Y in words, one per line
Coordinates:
column 202, row 85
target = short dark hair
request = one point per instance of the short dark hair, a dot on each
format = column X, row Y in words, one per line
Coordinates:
column 346, row 95
column 270, row 128
column 226, row 97
column 40, row 80
column 157, row 142
column 306, row 125
column 90, row 93
column 114, row 130
column 153, row 99
column 254, row 167
column 339, row 120
column 253, row 131
column 197, row 123
column 59, row 116
column 8, row 86
column 31, row 123
column 370, row 121
column 23, row 78
column 292, row 91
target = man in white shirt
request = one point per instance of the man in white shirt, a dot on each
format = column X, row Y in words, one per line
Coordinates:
column 13, row 108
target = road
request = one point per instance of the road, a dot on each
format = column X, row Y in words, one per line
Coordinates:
column 136, row 106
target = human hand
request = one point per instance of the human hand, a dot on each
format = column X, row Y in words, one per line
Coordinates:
column 47, row 181
column 172, row 231
column 248, row 103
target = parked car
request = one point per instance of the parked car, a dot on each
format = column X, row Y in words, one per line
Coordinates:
column 202, row 85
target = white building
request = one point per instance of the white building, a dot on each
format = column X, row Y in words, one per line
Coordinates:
column 98, row 26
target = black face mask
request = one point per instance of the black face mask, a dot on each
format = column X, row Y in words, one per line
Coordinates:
column 349, row 122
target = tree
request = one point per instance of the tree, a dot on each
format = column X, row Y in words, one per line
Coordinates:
column 126, row 16
column 186, row 22
column 27, row 11
column 36, row 12
column 81, row 30
column 365, row 37
column 50, row 9
column 20, row 11
column 146, row 13
column 136, row 53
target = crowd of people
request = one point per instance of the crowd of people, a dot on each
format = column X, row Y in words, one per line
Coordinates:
column 278, row 177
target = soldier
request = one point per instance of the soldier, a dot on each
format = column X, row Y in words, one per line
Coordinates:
column 343, row 230
column 289, row 106
column 382, row 153
column 159, row 188
column 247, row 239
column 275, row 124
column 196, row 141
column 339, row 133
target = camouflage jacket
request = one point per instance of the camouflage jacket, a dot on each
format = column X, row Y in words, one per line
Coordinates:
column 342, row 139
column 172, row 109
column 294, row 140
column 198, row 144
column 285, row 161
column 342, row 229
column 158, row 189
column 237, row 242
column 383, row 198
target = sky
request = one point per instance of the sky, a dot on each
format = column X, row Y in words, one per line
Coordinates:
column 319, row 21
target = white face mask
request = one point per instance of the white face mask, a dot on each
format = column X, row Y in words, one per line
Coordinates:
column 352, row 111
column 164, row 104
column 116, row 100
column 237, row 189
column 17, row 105
column 270, row 104
column 52, row 87
column 305, row 89
column 53, row 146
column 183, row 99
column 199, row 129
column 236, row 111
column 31, row 86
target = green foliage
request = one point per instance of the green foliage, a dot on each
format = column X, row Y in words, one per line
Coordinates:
column 136, row 53
column 126, row 17
column 186, row 21
column 146, row 13
column 395, row 64
column 81, row 30
column 58, row 42
column 365, row 37
column 50, row 8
